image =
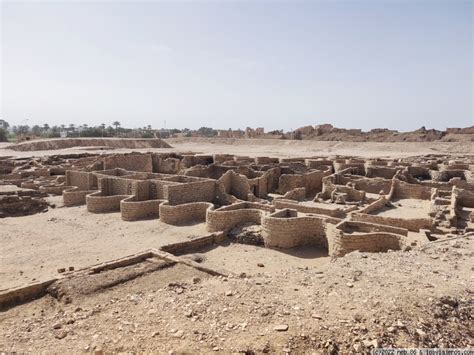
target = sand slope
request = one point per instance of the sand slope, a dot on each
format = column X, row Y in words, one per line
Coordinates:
column 62, row 143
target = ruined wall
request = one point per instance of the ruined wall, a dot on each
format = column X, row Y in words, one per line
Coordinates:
column 75, row 197
column 375, row 206
column 372, row 185
column 312, row 181
column 464, row 198
column 369, row 238
column 82, row 179
column 227, row 217
column 284, row 229
column 412, row 224
column 183, row 214
column 406, row 190
column 132, row 162
column 333, row 212
column 132, row 209
column 97, row 203
column 190, row 192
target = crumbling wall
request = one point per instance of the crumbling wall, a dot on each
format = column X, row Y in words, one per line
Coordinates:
column 132, row 209
column 227, row 217
column 190, row 192
column 367, row 238
column 284, row 229
column 186, row 213
column 133, row 162
column 412, row 224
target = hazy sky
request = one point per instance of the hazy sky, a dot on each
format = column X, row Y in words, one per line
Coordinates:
column 395, row 64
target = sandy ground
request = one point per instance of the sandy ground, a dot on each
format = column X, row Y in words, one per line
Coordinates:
column 34, row 247
column 281, row 148
column 288, row 304
column 406, row 208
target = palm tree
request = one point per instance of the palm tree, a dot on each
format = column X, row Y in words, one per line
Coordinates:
column 45, row 127
column 117, row 125
column 4, row 124
column 71, row 127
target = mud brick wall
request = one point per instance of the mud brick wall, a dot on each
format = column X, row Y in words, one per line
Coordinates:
column 56, row 171
column 132, row 209
column 165, row 166
column 380, row 171
column 375, row 206
column 110, row 186
column 341, row 244
column 75, row 197
column 280, row 231
column 352, row 193
column 406, row 190
column 234, row 184
column 190, row 192
column 53, row 189
column 265, row 160
column 297, row 194
column 222, row 158
column 83, row 180
column 132, row 162
column 464, row 198
column 190, row 246
column 184, row 213
column 318, row 163
column 358, row 168
column 97, row 203
column 268, row 182
column 283, row 203
column 373, row 185
column 225, row 220
column 288, row 182
column 412, row 224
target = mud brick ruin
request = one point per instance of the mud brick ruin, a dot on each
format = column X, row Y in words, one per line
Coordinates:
column 341, row 204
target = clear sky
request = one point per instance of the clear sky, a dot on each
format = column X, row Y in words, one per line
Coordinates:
column 281, row 65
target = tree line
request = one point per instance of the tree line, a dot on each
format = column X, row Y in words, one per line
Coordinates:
column 13, row 133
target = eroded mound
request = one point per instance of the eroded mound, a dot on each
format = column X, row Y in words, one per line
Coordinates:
column 52, row 144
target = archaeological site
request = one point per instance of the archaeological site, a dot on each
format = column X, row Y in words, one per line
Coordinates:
column 182, row 252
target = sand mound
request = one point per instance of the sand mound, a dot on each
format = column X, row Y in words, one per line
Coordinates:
column 63, row 143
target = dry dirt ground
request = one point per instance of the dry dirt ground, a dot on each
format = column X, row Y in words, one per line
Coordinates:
column 269, row 302
column 351, row 304
column 35, row 247
column 281, row 148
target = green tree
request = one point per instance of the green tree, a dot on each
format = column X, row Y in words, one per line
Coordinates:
column 36, row 130
column 3, row 135
column 4, row 124
column 117, row 125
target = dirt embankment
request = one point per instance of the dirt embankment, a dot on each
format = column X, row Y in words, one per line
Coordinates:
column 63, row 143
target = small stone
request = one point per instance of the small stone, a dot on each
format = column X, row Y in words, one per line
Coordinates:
column 61, row 334
column 260, row 265
column 229, row 293
column 57, row 326
column 281, row 328
column 349, row 285
column 316, row 316
column 61, row 270
column 178, row 334
column 71, row 268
